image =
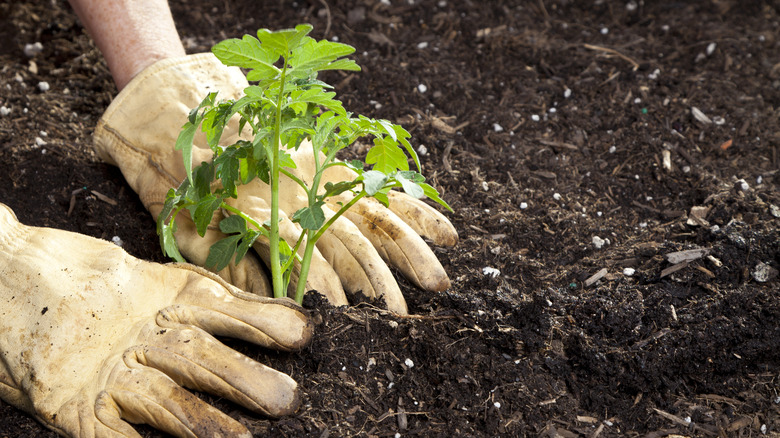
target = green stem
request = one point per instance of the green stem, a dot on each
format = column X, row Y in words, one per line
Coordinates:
column 300, row 288
column 311, row 241
column 249, row 219
column 276, row 268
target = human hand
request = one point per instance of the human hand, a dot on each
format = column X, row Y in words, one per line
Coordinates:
column 94, row 339
column 138, row 132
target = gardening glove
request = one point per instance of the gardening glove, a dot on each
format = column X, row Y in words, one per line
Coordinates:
column 138, row 132
column 94, row 338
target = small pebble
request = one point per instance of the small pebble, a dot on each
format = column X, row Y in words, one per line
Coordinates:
column 567, row 93
column 31, row 50
column 497, row 405
column 409, row 363
column 497, row 127
column 422, row 150
column 491, row 272
column 604, row 30
column 535, row 117
column 612, row 149
column 711, row 48
column 557, row 196
column 43, row 86
column 39, row 142
column 422, row 45
column 422, row 88
column 629, row 271
column 4, row 111
column 523, row 206
column 598, row 242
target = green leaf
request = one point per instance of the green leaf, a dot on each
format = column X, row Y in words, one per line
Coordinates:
column 337, row 189
column 434, row 195
column 204, row 212
column 233, row 224
column 221, row 253
column 311, row 217
column 373, row 181
column 386, row 156
column 184, row 144
column 246, row 242
column 382, row 198
column 321, row 55
column 411, row 188
column 283, row 42
column 316, row 96
column 168, row 241
column 248, row 53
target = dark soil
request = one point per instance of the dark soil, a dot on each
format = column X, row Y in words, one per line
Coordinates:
column 546, row 125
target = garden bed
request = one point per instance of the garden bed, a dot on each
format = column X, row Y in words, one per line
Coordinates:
column 573, row 141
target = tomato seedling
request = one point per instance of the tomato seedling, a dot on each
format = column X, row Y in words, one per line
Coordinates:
column 286, row 105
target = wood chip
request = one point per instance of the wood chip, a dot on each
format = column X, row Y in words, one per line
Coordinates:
column 674, row 268
column 442, row 126
column 697, row 216
column 686, row 256
column 596, row 277
column 103, row 197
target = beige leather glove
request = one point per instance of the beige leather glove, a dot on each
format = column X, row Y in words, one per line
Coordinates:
column 138, row 133
column 93, row 338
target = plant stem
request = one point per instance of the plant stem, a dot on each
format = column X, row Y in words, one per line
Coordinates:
column 311, row 241
column 276, row 268
column 243, row 215
column 300, row 288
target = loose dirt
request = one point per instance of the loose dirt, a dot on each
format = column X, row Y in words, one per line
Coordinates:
column 573, row 139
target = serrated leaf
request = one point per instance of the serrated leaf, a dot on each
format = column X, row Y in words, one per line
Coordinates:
column 221, row 253
column 373, row 181
column 311, row 217
column 204, row 212
column 248, row 53
column 321, row 55
column 246, row 242
column 233, row 224
column 282, row 42
column 386, row 156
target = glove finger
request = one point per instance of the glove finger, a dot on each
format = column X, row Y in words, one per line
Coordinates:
column 196, row 360
column 226, row 311
column 145, row 395
column 358, row 264
column 425, row 220
column 398, row 243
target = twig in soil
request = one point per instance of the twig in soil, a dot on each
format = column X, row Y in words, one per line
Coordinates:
column 613, row 52
column 683, row 422
column 657, row 335
column 327, row 17
column 558, row 144
column 672, row 269
column 445, row 158
column 687, row 255
column 596, row 277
